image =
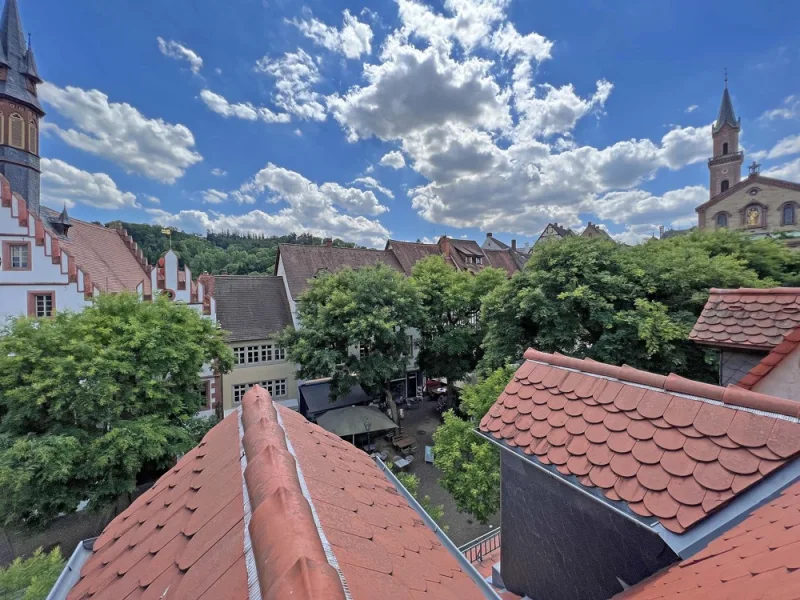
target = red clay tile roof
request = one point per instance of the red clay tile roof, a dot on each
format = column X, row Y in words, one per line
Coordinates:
column 102, row 254
column 502, row 259
column 758, row 559
column 302, row 263
column 666, row 446
column 771, row 360
column 748, row 318
column 410, row 253
column 185, row 539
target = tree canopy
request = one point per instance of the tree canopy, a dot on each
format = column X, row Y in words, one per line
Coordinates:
column 449, row 327
column 470, row 466
column 354, row 328
column 89, row 400
column 31, row 578
column 621, row 304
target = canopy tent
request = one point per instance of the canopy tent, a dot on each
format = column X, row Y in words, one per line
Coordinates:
column 353, row 420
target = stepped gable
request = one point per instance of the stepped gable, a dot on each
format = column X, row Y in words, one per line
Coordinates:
column 94, row 257
column 748, row 318
column 759, row 559
column 271, row 506
column 667, row 448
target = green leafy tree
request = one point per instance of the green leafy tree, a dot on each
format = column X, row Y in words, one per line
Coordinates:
column 450, row 328
column 369, row 309
column 89, row 400
column 470, row 465
column 621, row 304
column 411, row 483
column 31, row 578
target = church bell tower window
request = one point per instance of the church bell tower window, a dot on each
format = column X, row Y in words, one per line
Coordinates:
column 17, row 131
column 724, row 186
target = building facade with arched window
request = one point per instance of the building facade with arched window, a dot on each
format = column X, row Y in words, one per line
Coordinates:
column 759, row 205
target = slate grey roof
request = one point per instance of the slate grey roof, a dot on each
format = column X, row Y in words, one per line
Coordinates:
column 302, row 263
column 726, row 114
column 16, row 57
column 251, row 307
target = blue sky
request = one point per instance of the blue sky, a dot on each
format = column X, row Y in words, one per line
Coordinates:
column 409, row 119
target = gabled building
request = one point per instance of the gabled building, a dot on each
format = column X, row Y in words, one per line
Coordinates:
column 611, row 475
column 554, row 231
column 778, row 373
column 270, row 506
column 758, row 205
column 253, row 310
column 594, row 231
column 745, row 325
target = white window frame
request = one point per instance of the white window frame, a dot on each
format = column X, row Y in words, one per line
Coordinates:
column 46, row 298
column 277, row 388
column 259, row 354
column 16, row 251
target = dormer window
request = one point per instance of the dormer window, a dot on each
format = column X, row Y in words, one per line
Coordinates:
column 478, row 260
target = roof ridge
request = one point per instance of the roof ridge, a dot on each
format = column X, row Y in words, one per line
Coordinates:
column 298, row 563
column 758, row 291
column 673, row 383
column 259, row 276
column 330, row 247
column 771, row 360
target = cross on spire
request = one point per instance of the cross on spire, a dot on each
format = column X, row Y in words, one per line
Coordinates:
column 726, row 78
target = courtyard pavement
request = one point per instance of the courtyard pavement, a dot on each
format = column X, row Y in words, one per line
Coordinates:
column 421, row 423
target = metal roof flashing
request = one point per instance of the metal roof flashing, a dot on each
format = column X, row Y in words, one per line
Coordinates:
column 483, row 585
column 72, row 570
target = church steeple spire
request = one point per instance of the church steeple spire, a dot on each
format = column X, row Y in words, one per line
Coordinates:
column 725, row 166
column 726, row 114
column 12, row 37
column 20, row 109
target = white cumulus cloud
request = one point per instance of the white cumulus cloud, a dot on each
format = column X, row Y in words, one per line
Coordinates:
column 241, row 110
column 212, row 196
column 178, row 51
column 352, row 40
column 374, row 184
column 295, row 74
column 120, row 133
column 64, row 184
column 393, row 159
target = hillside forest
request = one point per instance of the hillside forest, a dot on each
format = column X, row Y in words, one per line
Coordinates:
column 217, row 253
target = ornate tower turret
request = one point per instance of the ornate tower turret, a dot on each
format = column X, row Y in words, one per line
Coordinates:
column 20, row 110
column 726, row 165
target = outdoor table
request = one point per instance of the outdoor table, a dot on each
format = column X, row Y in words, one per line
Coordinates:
column 404, row 442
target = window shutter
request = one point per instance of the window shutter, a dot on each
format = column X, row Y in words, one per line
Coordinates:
column 17, row 126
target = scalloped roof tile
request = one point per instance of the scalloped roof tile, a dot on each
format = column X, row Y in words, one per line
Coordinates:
column 748, row 318
column 185, row 538
column 668, row 447
column 759, row 559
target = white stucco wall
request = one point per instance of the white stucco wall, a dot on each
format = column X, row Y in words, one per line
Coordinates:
column 43, row 275
column 281, row 272
column 783, row 380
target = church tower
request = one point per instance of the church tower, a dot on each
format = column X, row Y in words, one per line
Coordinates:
column 20, row 111
column 726, row 165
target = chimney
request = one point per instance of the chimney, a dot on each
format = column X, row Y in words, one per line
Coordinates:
column 488, row 235
column 444, row 245
column 514, row 245
column 328, row 242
